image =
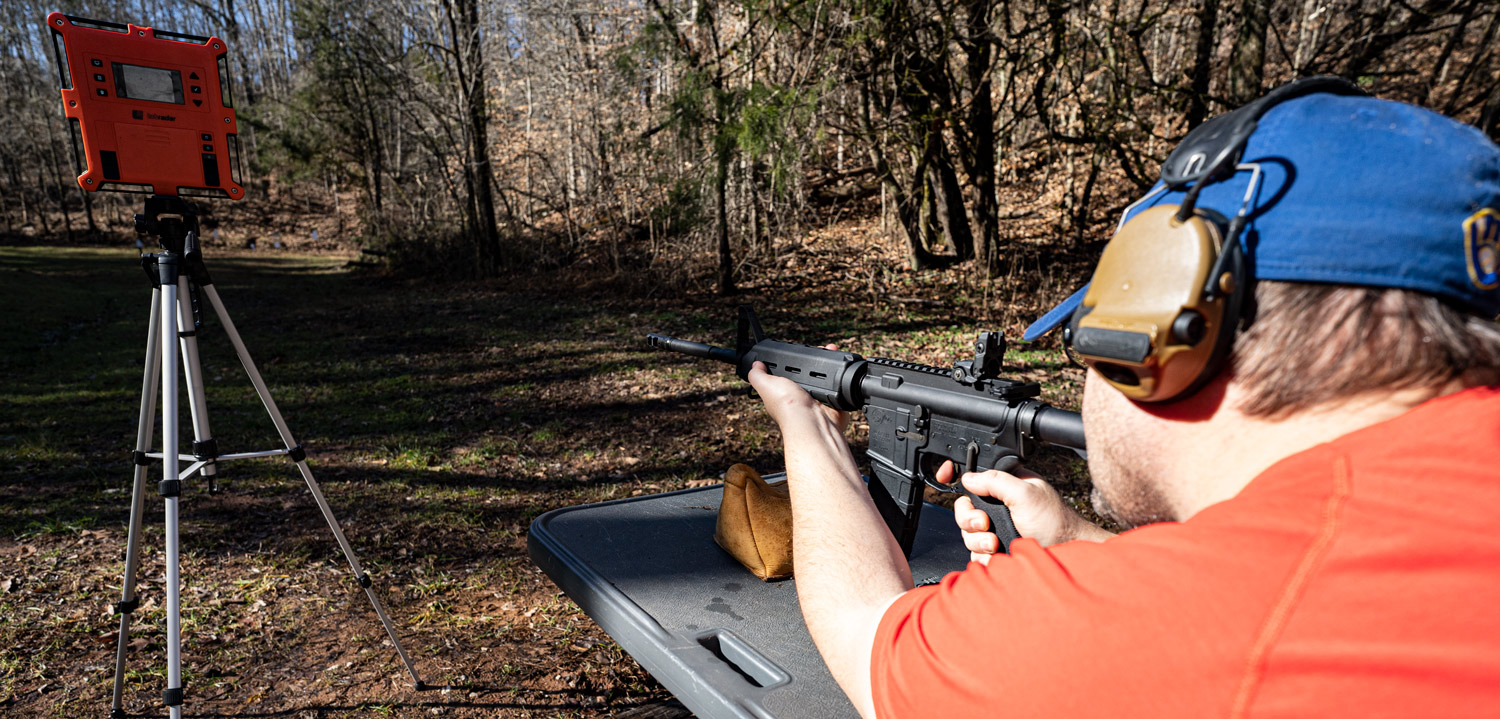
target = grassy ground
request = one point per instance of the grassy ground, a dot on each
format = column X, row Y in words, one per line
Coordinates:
column 440, row 418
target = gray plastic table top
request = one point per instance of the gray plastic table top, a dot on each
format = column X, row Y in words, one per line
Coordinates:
column 727, row 644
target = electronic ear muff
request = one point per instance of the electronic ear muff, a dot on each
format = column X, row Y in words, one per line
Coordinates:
column 1146, row 324
column 1168, row 296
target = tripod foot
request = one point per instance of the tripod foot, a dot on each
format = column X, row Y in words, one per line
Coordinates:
column 117, row 714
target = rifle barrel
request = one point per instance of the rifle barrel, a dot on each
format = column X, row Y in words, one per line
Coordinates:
column 1059, row 427
column 694, row 349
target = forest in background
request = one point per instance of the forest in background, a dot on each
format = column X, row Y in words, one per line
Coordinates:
column 685, row 142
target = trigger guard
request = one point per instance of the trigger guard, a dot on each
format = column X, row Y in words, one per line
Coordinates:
column 1007, row 464
column 939, row 486
column 930, row 479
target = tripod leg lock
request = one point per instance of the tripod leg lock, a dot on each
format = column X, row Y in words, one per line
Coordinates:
column 140, row 459
column 364, row 581
column 297, row 453
column 148, row 263
column 127, row 606
column 169, row 487
column 172, row 697
column 193, row 267
column 206, row 449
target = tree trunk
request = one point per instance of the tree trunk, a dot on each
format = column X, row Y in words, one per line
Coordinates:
column 88, row 209
column 726, row 262
column 62, row 190
column 471, row 72
column 41, row 209
column 1085, row 201
column 1489, row 117
column 1208, row 19
column 907, row 209
column 979, row 156
column 950, row 208
column 930, row 219
column 1247, row 59
column 752, row 208
column 919, row 215
column 16, row 183
column 372, row 170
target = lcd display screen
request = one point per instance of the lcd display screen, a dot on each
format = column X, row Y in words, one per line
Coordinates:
column 148, row 83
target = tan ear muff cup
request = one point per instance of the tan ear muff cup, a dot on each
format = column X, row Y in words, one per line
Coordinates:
column 1147, row 324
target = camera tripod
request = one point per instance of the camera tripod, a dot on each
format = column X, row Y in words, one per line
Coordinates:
column 178, row 276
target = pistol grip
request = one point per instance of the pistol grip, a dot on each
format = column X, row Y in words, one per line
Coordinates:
column 999, row 514
column 1000, row 522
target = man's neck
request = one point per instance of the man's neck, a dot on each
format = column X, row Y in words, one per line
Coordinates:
column 1230, row 449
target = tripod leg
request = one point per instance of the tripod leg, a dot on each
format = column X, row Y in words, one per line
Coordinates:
column 203, row 444
column 171, row 486
column 128, row 601
column 300, row 457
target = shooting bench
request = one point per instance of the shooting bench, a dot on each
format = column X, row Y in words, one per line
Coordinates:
column 728, row 645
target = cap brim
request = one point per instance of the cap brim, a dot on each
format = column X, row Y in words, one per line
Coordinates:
column 1056, row 317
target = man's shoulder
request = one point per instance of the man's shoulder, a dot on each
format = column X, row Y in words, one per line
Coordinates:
column 1467, row 418
column 1455, row 437
column 1383, row 491
column 1413, row 476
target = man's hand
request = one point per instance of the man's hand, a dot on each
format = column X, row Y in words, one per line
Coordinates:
column 1036, row 509
column 786, row 402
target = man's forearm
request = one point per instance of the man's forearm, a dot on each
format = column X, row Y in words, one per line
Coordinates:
column 848, row 566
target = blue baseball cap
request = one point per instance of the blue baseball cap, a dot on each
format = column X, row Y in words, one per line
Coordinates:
column 1359, row 191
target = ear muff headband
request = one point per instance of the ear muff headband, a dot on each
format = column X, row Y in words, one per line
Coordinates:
column 1167, row 298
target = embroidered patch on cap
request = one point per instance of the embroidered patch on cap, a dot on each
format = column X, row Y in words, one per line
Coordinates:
column 1482, row 248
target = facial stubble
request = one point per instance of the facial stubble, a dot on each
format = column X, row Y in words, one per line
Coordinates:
column 1124, row 461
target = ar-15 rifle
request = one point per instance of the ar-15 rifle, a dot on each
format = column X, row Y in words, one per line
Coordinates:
column 919, row 415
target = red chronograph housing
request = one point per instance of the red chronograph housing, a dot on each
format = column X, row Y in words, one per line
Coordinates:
column 151, row 111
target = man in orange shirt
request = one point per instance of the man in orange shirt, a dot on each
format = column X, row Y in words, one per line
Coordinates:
column 1298, row 409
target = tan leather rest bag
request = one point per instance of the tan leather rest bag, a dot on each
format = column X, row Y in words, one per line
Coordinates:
column 755, row 523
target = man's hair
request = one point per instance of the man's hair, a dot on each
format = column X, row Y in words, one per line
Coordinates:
column 1310, row 344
